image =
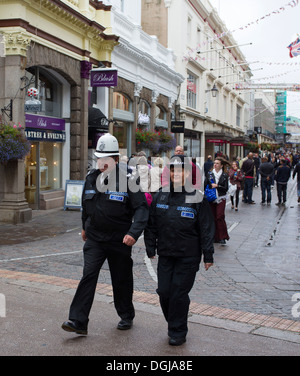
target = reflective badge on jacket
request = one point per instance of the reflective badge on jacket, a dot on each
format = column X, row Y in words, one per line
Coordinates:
column 160, row 206
column 90, row 192
column 187, row 212
column 116, row 196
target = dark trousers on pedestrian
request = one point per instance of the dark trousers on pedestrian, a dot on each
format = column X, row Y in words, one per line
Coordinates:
column 281, row 192
column 218, row 211
column 248, row 190
column 176, row 277
column 120, row 264
column 237, row 198
column 266, row 186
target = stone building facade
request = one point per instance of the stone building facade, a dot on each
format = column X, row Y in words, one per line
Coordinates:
column 51, row 46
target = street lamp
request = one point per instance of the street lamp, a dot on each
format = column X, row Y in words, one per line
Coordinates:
column 214, row 91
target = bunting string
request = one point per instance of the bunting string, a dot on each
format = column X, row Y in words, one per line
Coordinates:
column 188, row 56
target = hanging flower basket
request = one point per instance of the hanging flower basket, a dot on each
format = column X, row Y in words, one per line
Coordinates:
column 13, row 143
column 156, row 142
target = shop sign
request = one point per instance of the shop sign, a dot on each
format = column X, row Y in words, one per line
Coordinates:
column 237, row 144
column 33, row 107
column 177, row 126
column 216, row 141
column 104, row 77
column 44, row 122
column 45, row 135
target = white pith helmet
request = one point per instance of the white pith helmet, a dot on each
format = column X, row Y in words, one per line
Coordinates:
column 107, row 146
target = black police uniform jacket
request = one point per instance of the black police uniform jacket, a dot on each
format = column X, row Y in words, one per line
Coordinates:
column 112, row 213
column 178, row 228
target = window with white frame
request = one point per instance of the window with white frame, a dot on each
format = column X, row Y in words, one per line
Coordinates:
column 191, row 91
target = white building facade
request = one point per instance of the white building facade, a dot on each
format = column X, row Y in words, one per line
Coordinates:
column 147, row 80
column 212, row 124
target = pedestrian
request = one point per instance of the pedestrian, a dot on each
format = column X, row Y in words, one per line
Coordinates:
column 195, row 177
column 236, row 178
column 220, row 179
column 208, row 165
column 282, row 177
column 248, row 169
column 180, row 230
column 257, row 163
column 266, row 171
column 297, row 171
column 113, row 218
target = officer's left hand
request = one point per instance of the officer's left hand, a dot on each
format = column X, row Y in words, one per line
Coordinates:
column 129, row 240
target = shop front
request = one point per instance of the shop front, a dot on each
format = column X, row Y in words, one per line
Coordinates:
column 217, row 147
column 44, row 164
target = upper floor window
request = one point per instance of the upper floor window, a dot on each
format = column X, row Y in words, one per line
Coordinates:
column 191, row 90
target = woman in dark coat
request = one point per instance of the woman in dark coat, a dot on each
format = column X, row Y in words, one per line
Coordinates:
column 220, row 182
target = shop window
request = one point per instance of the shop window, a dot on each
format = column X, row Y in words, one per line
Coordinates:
column 160, row 113
column 49, row 155
column 144, row 114
column 50, row 90
column 51, row 164
column 122, row 102
column 144, row 107
column 160, row 117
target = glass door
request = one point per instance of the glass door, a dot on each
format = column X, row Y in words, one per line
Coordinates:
column 31, row 176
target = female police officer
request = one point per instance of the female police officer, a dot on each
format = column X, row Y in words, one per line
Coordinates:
column 109, row 232
column 181, row 228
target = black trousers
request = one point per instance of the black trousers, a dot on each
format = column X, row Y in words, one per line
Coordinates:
column 176, row 277
column 120, row 264
column 281, row 192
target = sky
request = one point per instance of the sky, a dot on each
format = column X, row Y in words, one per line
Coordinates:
column 269, row 37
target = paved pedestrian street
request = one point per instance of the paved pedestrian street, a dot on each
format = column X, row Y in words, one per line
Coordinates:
column 255, row 279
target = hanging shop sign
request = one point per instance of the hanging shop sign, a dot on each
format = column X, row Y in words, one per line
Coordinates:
column 177, row 126
column 33, row 104
column 44, row 122
column 104, row 77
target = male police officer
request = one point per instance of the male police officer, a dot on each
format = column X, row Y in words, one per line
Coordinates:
column 113, row 218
